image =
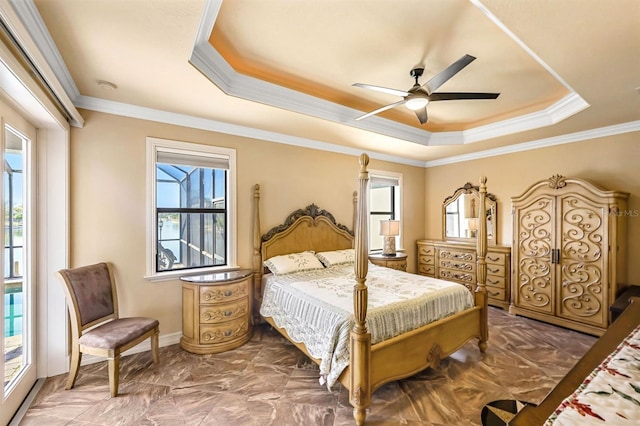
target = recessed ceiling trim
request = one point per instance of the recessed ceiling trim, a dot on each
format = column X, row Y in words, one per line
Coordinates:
column 633, row 126
column 205, row 58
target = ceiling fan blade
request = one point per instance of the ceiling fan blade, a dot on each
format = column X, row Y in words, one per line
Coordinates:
column 384, row 108
column 395, row 92
column 452, row 96
column 422, row 115
column 440, row 78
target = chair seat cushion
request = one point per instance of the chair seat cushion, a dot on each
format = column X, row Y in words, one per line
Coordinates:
column 118, row 332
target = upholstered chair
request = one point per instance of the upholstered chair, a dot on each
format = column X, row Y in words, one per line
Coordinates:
column 96, row 328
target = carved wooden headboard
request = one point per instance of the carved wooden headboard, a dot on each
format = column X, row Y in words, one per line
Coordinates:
column 311, row 228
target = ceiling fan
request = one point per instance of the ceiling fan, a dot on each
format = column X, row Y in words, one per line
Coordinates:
column 417, row 98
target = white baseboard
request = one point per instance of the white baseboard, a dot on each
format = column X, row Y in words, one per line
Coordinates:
column 163, row 340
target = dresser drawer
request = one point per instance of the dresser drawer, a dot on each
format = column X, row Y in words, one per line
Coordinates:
column 426, row 250
column 466, row 256
column 224, row 311
column 467, row 267
column 223, row 293
column 498, row 270
column 496, row 258
column 429, row 270
column 495, row 281
column 224, row 332
column 456, row 275
column 426, row 260
column 496, row 293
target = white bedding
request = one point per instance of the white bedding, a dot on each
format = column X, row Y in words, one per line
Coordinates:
column 316, row 308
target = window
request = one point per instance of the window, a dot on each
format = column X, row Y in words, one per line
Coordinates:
column 192, row 208
column 384, row 204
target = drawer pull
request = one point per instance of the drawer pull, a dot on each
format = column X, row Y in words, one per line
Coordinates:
column 228, row 293
column 228, row 313
column 494, row 282
column 493, row 259
column 493, row 271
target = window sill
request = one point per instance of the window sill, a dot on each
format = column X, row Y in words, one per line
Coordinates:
column 172, row 275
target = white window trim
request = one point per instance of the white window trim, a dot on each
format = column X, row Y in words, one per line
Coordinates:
column 398, row 201
column 232, row 231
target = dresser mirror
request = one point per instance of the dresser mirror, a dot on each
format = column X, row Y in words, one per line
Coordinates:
column 460, row 215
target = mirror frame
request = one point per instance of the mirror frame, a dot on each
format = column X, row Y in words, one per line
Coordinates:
column 492, row 207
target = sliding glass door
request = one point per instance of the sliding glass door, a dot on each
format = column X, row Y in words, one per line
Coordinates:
column 17, row 365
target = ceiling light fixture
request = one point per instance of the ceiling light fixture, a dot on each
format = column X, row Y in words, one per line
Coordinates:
column 416, row 103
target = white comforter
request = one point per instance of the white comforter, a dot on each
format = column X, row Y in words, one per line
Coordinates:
column 316, row 308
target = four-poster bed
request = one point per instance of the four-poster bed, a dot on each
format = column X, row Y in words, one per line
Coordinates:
column 370, row 363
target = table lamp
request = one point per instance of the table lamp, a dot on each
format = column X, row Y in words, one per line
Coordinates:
column 389, row 229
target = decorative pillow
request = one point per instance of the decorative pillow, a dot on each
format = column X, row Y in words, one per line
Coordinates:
column 294, row 262
column 337, row 257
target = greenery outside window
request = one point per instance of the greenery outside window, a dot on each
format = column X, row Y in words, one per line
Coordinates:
column 192, row 208
column 384, row 204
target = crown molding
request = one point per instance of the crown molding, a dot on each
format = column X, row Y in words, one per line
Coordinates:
column 617, row 129
column 144, row 113
column 26, row 25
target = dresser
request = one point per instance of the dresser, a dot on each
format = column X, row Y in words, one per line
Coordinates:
column 399, row 261
column 569, row 245
column 216, row 311
column 456, row 261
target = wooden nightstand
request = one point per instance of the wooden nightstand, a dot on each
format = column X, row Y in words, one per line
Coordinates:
column 399, row 261
column 216, row 311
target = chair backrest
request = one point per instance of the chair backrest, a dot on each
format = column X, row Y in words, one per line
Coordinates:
column 91, row 295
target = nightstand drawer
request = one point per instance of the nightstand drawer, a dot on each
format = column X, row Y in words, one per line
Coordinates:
column 223, row 293
column 223, row 312
column 225, row 332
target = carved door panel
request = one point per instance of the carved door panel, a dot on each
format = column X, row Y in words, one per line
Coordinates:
column 533, row 245
column 582, row 259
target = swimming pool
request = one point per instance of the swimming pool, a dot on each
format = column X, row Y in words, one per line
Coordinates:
column 12, row 314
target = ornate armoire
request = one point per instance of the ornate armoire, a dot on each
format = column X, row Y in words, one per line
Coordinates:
column 568, row 254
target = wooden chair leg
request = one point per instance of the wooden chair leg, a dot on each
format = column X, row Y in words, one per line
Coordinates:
column 154, row 347
column 74, row 366
column 114, row 374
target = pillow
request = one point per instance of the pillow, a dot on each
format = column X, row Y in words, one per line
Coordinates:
column 337, row 257
column 294, row 262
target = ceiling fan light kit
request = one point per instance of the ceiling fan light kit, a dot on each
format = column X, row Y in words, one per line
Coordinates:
column 417, row 98
column 416, row 103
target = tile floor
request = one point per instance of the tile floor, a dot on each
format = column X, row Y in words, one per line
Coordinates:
column 269, row 382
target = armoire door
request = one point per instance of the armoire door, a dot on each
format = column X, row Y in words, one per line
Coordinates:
column 533, row 287
column 582, row 259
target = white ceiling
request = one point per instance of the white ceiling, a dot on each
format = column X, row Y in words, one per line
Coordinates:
column 282, row 69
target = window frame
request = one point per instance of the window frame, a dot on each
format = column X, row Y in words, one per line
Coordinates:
column 154, row 145
column 397, row 207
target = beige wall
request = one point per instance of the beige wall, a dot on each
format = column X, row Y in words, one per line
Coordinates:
column 611, row 163
column 108, row 199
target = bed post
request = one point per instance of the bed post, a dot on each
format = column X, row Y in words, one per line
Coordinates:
column 355, row 211
column 257, row 256
column 481, row 289
column 360, row 339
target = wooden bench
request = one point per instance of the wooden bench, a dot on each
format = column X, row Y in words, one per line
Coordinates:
column 623, row 300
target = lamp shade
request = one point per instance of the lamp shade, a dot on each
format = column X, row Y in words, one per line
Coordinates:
column 390, row 228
